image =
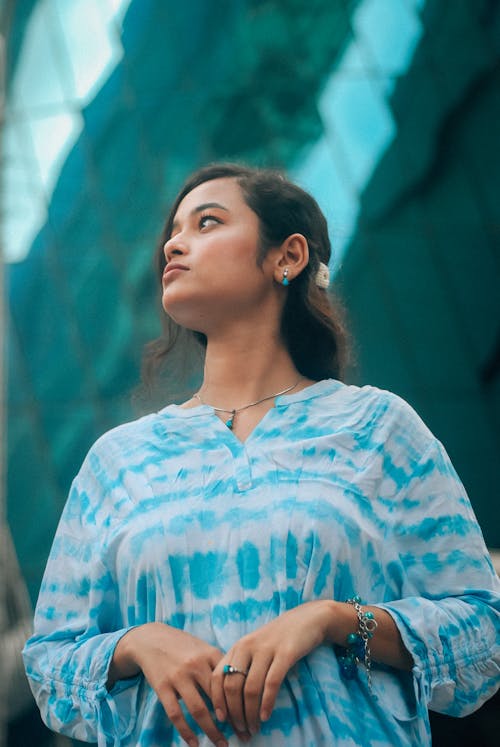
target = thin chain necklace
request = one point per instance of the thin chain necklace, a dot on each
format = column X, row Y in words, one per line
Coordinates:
column 230, row 421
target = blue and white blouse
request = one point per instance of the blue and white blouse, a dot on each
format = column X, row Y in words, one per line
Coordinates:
column 338, row 491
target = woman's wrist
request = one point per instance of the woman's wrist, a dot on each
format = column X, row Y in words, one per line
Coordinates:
column 340, row 620
column 124, row 663
column 386, row 644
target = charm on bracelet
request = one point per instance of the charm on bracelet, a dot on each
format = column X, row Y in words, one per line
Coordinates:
column 357, row 648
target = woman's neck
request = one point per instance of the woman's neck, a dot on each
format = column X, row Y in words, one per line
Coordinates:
column 246, row 368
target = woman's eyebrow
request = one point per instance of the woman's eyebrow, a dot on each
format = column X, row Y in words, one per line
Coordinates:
column 200, row 208
column 206, row 205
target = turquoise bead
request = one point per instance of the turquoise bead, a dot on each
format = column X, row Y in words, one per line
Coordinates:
column 352, row 638
column 285, row 281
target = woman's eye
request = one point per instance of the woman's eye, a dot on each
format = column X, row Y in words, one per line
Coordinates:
column 207, row 220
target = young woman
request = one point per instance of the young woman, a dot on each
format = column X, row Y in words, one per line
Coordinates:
column 283, row 559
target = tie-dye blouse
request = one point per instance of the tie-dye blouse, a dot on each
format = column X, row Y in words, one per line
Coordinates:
column 338, row 491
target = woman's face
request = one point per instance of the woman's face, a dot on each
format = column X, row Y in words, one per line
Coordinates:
column 212, row 273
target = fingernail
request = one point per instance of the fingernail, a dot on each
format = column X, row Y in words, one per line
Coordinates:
column 220, row 715
column 264, row 715
column 239, row 727
column 193, row 743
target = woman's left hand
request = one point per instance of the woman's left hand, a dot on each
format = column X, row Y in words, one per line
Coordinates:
column 266, row 655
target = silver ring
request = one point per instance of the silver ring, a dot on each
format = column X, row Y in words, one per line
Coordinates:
column 229, row 669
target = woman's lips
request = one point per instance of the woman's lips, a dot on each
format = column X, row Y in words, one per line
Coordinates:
column 172, row 267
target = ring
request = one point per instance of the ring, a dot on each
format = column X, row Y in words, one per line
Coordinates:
column 229, row 669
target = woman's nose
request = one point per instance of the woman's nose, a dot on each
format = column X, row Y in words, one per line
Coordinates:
column 174, row 247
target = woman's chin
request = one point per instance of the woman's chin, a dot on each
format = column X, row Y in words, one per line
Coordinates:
column 185, row 318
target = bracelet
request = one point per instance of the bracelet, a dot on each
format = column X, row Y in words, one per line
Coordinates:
column 357, row 648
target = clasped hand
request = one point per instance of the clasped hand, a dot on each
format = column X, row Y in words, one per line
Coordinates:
column 178, row 666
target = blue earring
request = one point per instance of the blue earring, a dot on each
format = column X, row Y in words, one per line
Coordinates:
column 285, row 280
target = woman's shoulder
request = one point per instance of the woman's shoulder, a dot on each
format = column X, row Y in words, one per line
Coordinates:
column 370, row 409
column 126, row 442
column 131, row 430
column 366, row 399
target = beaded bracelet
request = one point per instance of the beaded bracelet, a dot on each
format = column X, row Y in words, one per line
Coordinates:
column 357, row 649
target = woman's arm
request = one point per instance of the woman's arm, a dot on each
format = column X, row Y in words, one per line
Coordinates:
column 77, row 619
column 444, row 594
column 75, row 632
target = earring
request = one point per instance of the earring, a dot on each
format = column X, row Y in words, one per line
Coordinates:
column 285, row 280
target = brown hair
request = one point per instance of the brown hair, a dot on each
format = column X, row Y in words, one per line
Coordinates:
column 312, row 325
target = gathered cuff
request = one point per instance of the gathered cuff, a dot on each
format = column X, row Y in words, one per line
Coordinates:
column 452, row 680
column 74, row 698
column 117, row 707
column 117, row 711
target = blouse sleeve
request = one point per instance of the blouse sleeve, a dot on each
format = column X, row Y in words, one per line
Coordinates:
column 447, row 593
column 77, row 621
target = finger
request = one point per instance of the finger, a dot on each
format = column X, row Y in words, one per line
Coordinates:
column 233, row 685
column 170, row 702
column 253, row 690
column 198, row 710
column 227, row 697
column 217, row 692
column 274, row 679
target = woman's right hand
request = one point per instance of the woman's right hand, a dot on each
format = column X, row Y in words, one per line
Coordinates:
column 177, row 665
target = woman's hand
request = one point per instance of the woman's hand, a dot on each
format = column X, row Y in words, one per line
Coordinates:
column 177, row 665
column 266, row 655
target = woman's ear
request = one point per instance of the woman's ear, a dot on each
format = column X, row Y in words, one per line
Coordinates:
column 291, row 258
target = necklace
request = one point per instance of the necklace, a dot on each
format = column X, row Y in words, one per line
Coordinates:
column 230, row 421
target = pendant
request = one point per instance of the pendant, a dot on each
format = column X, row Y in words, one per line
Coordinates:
column 229, row 422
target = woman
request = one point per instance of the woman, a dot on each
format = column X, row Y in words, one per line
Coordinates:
column 206, row 579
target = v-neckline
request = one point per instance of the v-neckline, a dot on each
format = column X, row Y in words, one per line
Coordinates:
column 232, row 434
column 308, row 392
